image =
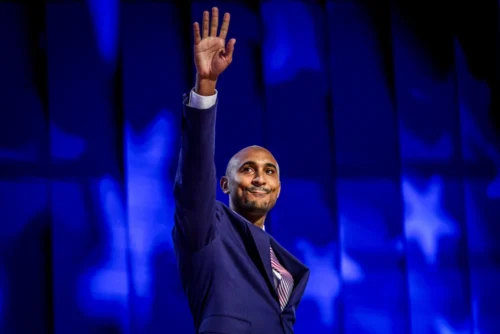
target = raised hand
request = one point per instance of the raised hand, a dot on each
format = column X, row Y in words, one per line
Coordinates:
column 211, row 54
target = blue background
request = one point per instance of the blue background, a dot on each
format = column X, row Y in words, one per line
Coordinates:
column 383, row 119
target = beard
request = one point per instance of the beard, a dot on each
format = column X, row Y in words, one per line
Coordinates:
column 256, row 207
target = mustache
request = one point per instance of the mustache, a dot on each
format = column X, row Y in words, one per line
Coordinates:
column 258, row 189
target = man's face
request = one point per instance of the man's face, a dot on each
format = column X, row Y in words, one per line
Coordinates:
column 252, row 182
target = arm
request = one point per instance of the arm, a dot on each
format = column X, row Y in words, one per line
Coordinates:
column 195, row 181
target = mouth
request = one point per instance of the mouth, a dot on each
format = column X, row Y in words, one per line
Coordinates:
column 258, row 193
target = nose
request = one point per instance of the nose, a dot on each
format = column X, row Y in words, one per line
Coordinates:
column 258, row 180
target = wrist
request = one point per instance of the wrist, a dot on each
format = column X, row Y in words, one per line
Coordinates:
column 205, row 86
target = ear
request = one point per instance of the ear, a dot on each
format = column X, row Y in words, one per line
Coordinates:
column 279, row 191
column 224, row 184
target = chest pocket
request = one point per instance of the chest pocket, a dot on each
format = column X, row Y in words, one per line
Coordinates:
column 219, row 324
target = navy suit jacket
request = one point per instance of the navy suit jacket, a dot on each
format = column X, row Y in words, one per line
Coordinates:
column 224, row 261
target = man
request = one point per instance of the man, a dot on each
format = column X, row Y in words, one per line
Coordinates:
column 237, row 278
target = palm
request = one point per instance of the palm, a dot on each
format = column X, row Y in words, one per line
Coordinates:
column 211, row 56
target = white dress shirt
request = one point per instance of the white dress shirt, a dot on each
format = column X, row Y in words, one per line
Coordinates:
column 201, row 102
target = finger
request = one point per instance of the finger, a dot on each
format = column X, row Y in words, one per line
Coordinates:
column 230, row 49
column 205, row 24
column 225, row 26
column 215, row 22
column 196, row 33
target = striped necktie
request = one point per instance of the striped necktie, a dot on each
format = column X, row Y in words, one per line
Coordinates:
column 285, row 281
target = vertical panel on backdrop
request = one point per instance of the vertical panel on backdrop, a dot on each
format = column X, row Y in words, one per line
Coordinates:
column 90, row 246
column 481, row 154
column 155, row 57
column 368, row 171
column 25, row 258
column 241, row 118
column 298, row 134
column 432, row 179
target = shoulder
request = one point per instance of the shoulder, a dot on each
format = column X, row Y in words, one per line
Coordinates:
column 223, row 213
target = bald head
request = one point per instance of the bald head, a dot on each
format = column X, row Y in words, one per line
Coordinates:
column 246, row 154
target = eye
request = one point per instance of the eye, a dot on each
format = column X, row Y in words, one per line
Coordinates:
column 247, row 170
column 270, row 171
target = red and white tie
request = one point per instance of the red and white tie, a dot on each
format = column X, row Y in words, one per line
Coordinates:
column 285, row 281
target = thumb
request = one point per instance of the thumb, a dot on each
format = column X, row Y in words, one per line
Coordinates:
column 229, row 49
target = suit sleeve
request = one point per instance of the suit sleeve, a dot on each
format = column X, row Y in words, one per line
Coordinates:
column 195, row 181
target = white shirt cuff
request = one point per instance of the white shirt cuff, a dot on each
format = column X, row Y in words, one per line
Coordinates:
column 201, row 102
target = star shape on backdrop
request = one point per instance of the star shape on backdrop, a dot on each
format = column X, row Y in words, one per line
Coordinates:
column 150, row 201
column 425, row 220
column 150, row 212
column 325, row 282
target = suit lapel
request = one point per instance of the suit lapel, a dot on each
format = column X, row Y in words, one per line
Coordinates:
column 263, row 244
column 258, row 247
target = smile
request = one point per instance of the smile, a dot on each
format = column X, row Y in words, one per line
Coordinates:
column 259, row 193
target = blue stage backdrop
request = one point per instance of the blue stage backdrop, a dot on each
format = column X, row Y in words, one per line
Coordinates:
column 383, row 116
